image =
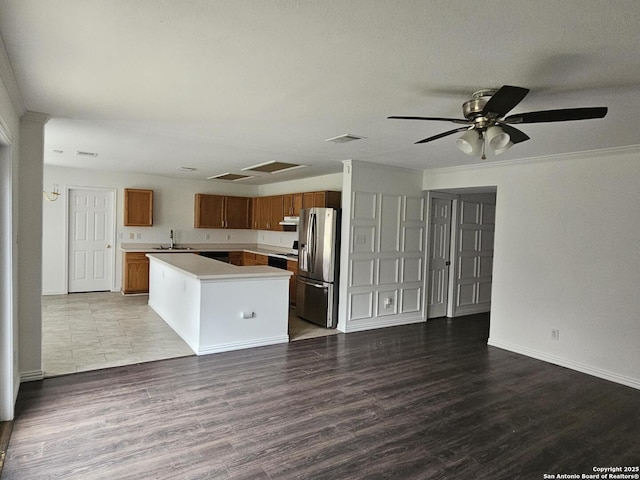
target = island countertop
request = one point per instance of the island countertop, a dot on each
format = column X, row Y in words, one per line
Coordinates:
column 205, row 269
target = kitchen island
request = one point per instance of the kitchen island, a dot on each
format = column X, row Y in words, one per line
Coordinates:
column 216, row 307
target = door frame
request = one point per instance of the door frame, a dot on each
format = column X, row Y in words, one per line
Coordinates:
column 114, row 209
column 9, row 380
column 431, row 194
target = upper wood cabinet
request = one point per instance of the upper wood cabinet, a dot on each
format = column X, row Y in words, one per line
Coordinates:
column 328, row 199
column 268, row 213
column 219, row 211
column 138, row 207
column 292, row 204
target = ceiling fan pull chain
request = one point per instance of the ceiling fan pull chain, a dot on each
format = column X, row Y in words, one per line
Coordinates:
column 483, row 156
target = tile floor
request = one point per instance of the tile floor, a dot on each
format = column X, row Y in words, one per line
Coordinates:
column 90, row 331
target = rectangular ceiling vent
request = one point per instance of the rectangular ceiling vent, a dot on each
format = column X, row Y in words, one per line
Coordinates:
column 186, row 169
column 347, row 137
column 80, row 153
column 272, row 167
column 231, row 177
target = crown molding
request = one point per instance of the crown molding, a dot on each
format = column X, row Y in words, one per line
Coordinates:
column 8, row 78
column 604, row 152
column 35, row 117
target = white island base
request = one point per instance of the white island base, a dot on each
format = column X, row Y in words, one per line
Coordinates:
column 218, row 307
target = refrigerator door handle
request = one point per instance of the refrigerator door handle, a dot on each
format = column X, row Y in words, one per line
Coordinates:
column 312, row 240
column 311, row 284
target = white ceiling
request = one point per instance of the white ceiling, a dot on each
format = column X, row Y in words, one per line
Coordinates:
column 219, row 85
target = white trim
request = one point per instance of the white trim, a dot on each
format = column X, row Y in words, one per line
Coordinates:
column 9, row 380
column 31, row 376
column 227, row 347
column 563, row 362
column 383, row 322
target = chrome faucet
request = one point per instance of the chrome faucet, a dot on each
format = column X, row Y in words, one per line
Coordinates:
column 171, row 243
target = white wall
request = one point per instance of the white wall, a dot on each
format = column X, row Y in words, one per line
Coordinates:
column 566, row 257
column 30, row 245
column 173, row 209
column 382, row 253
column 311, row 184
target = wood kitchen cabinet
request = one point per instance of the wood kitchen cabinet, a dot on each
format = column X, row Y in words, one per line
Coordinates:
column 248, row 258
column 135, row 273
column 262, row 259
column 236, row 258
column 221, row 211
column 292, row 266
column 269, row 213
column 321, row 199
column 292, row 203
column 138, row 207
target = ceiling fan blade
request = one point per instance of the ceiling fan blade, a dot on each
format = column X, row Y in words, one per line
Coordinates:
column 440, row 119
column 562, row 115
column 515, row 135
column 445, row 134
column 504, row 100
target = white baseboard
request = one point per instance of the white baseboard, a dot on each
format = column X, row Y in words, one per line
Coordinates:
column 31, row 376
column 54, row 292
column 563, row 362
column 380, row 322
column 227, row 347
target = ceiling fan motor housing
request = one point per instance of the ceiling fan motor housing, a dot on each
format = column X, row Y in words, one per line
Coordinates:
column 473, row 109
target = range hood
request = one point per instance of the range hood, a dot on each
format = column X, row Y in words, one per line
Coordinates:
column 290, row 221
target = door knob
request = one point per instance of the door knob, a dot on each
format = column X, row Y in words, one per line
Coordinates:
column 108, row 246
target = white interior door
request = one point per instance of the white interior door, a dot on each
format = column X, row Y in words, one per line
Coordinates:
column 439, row 256
column 474, row 272
column 90, row 240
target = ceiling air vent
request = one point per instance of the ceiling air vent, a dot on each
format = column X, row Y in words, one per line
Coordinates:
column 186, row 169
column 80, row 153
column 232, row 177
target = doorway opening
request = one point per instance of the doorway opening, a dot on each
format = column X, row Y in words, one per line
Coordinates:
column 461, row 227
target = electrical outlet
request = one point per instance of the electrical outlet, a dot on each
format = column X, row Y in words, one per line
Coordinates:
column 132, row 236
column 228, row 237
column 138, row 236
column 555, row 334
column 207, row 236
column 388, row 302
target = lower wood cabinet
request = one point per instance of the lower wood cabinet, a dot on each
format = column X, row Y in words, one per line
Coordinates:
column 135, row 273
column 236, row 258
column 248, row 258
column 262, row 259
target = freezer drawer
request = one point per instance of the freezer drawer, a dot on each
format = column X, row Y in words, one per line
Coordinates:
column 317, row 302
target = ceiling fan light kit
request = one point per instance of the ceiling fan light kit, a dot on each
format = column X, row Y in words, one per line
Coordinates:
column 485, row 114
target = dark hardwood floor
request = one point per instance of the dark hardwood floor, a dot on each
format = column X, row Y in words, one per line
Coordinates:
column 413, row 402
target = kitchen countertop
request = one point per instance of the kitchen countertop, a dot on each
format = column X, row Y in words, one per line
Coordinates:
column 208, row 247
column 203, row 268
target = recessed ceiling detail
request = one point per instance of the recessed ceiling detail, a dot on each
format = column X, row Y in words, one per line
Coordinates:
column 347, row 137
column 232, row 177
column 272, row 167
column 186, row 169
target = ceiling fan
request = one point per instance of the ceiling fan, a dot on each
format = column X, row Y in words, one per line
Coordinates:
column 486, row 124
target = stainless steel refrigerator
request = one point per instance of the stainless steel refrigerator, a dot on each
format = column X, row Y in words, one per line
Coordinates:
column 318, row 260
